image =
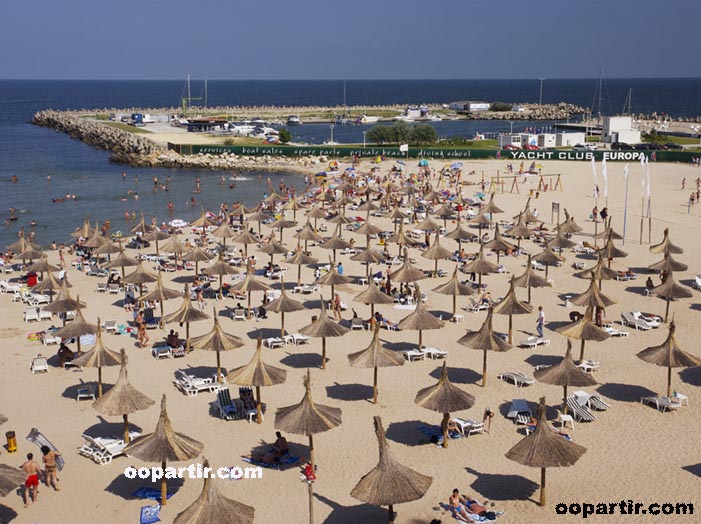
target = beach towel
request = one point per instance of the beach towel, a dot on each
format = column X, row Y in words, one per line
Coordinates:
column 435, row 434
column 35, row 436
column 149, row 514
column 287, row 460
column 475, row 517
column 150, row 493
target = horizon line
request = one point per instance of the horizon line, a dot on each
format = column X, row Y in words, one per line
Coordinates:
column 535, row 79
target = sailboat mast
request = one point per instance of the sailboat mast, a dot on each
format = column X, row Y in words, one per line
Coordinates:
column 601, row 77
column 205, row 92
column 344, row 94
column 189, row 98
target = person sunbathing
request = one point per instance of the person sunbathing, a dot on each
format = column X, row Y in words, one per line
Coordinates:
column 455, row 505
column 64, row 355
column 173, row 340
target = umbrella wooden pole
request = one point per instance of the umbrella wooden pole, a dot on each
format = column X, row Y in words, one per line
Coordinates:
column 299, row 275
column 581, row 352
column 164, row 486
column 444, row 427
column 259, row 407
column 666, row 309
column 529, row 291
column 221, row 283
column 161, row 322
column 249, row 303
column 219, row 377
column 323, row 352
column 126, row 428
column 282, row 324
column 390, row 513
column 310, row 490
column 281, row 235
column 78, row 343
column 99, row 381
column 435, row 270
column 484, row 369
column 542, row 487
column 187, row 337
column 564, row 400
column 311, row 451
column 511, row 338
column 546, row 270
column 455, row 303
column 123, row 270
column 669, row 380
column 420, row 339
column 374, row 386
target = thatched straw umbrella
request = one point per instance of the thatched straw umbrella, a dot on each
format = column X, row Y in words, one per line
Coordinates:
column 569, row 226
column 156, row 235
column 560, row 241
column 217, row 340
column 428, row 225
column 121, row 261
column 584, row 329
column 174, row 246
column 436, row 252
column 526, row 214
column 669, row 355
column 333, row 279
column 455, row 288
column 96, row 239
column 293, row 205
column 670, row 290
column 140, row 276
column 397, row 215
column 164, row 445
column 373, row 295
column 308, row 233
column 401, row 239
column 299, row 259
column 460, row 235
column 259, row 216
column 160, row 294
column 323, row 328
column 341, row 219
column 50, row 284
column 245, row 238
column 486, row 340
column 368, row 205
column 444, row 398
column 420, row 319
column 11, row 478
column 186, row 313
column 316, row 213
column 211, row 506
column 282, row 224
column 197, row 255
column 445, row 212
column 123, row 399
column 308, row 418
column 375, row 356
column 41, row 266
column 592, row 297
column 666, row 245
column 545, row 449
column 220, row 268
column 480, row 265
column 22, row 244
column 248, row 284
column 64, row 303
column 667, row 264
column 529, row 279
column 390, row 482
column 224, row 232
column 548, row 257
column 609, row 251
column 407, row 273
column 565, row 373
column 273, row 248
column 491, row 207
column 108, row 248
column 141, row 226
column 367, row 229
column 368, row 256
column 599, row 272
column 85, row 230
column 335, row 242
column 258, row 374
column 283, row 304
column 511, row 305
column 203, row 221
column 97, row 357
column 31, row 253
column 77, row 328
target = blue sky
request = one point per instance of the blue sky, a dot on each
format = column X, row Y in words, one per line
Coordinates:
column 356, row 39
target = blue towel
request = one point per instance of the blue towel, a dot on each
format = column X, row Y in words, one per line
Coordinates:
column 436, row 432
column 286, row 460
column 150, row 493
column 149, row 514
column 474, row 517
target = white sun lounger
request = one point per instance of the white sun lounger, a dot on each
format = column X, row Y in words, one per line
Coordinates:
column 519, row 379
column 627, row 319
column 661, row 403
column 45, row 315
column 274, row 342
column 435, row 353
column 592, row 401
column 533, row 342
column 414, row 354
column 468, row 426
column 475, row 306
column 589, row 366
column 519, row 411
column 579, row 412
column 296, row 339
column 612, row 331
column 191, row 385
column 39, row 365
column 49, row 338
column 31, row 314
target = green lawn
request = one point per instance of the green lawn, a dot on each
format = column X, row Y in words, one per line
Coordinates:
column 127, row 127
column 683, row 140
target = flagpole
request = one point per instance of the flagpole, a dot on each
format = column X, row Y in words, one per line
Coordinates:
column 649, row 204
column 625, row 208
column 642, row 200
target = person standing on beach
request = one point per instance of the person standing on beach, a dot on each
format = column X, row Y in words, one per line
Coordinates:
column 31, row 485
column 539, row 323
column 50, row 467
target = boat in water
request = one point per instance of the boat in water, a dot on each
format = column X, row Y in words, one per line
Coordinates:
column 238, row 178
column 294, row 120
column 364, row 119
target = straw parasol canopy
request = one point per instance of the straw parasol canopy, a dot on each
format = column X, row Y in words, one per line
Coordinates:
column 50, row 283
column 186, row 313
column 316, row 213
column 308, row 418
column 245, row 238
column 123, row 399
column 41, row 266
column 323, row 328
column 375, row 356
column 373, row 295
column 96, row 239
column 333, row 279
column 670, row 290
column 569, row 226
column 444, row 398
column 420, row 319
column 480, row 265
column 258, row 374
column 491, row 207
column 668, row 264
column 164, row 445
column 31, row 253
column 545, row 449
column 526, row 214
column 85, row 231
column 529, row 279
column 140, row 276
column 259, row 216
column 608, row 231
column 299, row 259
column 341, row 219
column 609, row 251
column 548, row 257
column 401, row 238
column 107, row 248
column 334, row 242
column 666, row 245
column 669, row 355
column 560, row 241
column 293, row 205
column 248, row 284
column 203, row 221
column 224, row 232
column 397, row 215
column 284, row 304
column 156, row 235
column 368, row 256
column 455, row 288
column 599, row 272
column 282, row 224
column 584, row 329
column 390, row 482
column 160, row 294
column 460, row 234
column 212, row 506
column 436, row 252
column 368, row 205
column 592, row 297
column 368, row 228
column 308, row 233
column 519, row 231
column 121, row 261
column 511, row 305
column 77, row 328
column 64, row 302
column 22, row 244
column 427, row 224
column 273, row 248
column 11, row 478
column 486, row 340
column 197, row 255
column 565, row 373
column 174, row 246
column 407, row 272
column 445, row 212
column 220, row 268
column 100, row 355
column 217, row 340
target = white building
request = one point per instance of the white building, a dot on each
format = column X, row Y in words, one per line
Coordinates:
column 569, row 139
column 619, row 129
column 546, row 140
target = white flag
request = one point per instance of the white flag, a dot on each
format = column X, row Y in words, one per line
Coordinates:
column 625, row 173
column 647, row 174
column 642, row 166
column 404, row 148
column 593, row 169
column 604, row 173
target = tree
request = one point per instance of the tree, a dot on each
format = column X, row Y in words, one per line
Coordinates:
column 284, row 135
column 400, row 133
column 379, row 134
column 423, row 134
column 500, row 106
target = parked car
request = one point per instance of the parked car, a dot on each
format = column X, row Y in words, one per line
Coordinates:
column 511, row 147
column 531, row 147
column 673, row 145
column 621, row 146
column 584, row 147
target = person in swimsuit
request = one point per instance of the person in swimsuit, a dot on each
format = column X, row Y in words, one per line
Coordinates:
column 31, row 485
column 455, row 504
column 50, row 467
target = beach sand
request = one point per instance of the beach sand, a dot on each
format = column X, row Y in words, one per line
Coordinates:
column 633, row 451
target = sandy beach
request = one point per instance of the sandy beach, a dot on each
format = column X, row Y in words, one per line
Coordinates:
column 633, row 451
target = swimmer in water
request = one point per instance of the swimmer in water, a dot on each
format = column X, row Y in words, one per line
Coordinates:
column 33, row 223
column 48, row 178
column 14, row 179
